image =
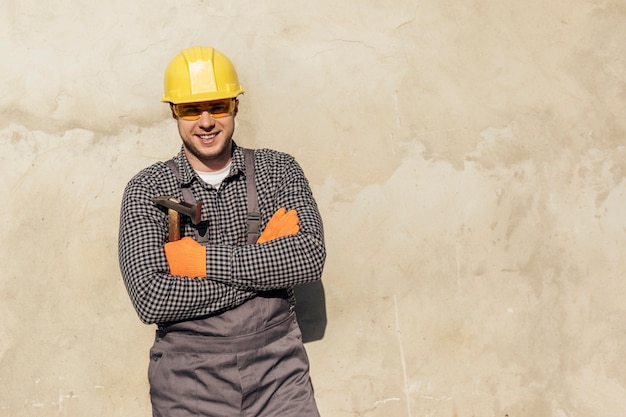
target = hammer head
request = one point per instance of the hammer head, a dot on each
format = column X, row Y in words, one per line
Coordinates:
column 193, row 211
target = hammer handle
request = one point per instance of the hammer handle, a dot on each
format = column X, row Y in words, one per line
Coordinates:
column 173, row 223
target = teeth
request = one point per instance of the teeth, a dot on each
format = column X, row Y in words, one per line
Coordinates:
column 207, row 137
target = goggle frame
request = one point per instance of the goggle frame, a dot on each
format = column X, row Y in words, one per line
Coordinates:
column 217, row 109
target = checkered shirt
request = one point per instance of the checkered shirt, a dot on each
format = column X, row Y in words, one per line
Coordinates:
column 236, row 271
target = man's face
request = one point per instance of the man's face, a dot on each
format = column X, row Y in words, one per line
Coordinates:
column 207, row 141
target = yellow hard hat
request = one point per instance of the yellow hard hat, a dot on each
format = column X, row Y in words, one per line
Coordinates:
column 200, row 74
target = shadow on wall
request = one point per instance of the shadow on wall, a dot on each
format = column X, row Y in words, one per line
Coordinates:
column 311, row 310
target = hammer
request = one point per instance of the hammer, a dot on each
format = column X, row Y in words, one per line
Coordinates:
column 175, row 208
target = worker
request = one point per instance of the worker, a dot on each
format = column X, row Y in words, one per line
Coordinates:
column 227, row 340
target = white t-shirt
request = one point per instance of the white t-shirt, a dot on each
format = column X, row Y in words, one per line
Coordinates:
column 215, row 178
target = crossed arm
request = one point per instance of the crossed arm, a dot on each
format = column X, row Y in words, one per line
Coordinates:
column 234, row 274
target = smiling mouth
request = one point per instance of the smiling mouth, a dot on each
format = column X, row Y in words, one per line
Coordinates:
column 207, row 137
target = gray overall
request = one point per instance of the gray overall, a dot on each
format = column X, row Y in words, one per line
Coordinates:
column 248, row 361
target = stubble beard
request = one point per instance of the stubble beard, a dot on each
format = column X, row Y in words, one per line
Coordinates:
column 221, row 152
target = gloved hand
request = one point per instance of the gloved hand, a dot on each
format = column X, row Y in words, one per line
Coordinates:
column 186, row 258
column 282, row 223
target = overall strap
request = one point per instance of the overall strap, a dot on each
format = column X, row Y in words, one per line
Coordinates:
column 253, row 216
column 184, row 189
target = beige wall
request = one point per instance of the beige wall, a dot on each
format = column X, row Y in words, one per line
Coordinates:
column 468, row 158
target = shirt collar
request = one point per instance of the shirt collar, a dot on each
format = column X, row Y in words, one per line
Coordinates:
column 188, row 174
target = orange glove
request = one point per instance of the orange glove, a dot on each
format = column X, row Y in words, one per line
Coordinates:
column 282, row 223
column 186, row 258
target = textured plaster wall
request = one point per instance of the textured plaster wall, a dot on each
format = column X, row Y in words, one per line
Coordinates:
column 468, row 157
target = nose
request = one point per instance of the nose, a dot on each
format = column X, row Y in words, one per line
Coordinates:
column 206, row 121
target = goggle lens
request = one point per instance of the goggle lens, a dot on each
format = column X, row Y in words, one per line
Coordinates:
column 216, row 109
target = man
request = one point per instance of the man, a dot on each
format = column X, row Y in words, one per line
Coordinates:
column 227, row 343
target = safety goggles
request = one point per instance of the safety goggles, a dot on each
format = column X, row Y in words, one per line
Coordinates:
column 215, row 108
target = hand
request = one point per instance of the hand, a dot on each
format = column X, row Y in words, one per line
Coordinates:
column 186, row 258
column 282, row 223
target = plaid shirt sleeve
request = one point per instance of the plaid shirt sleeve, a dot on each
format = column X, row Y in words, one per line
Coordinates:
column 284, row 262
column 156, row 295
column 235, row 271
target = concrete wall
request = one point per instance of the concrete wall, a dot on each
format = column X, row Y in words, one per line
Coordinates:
column 468, row 158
